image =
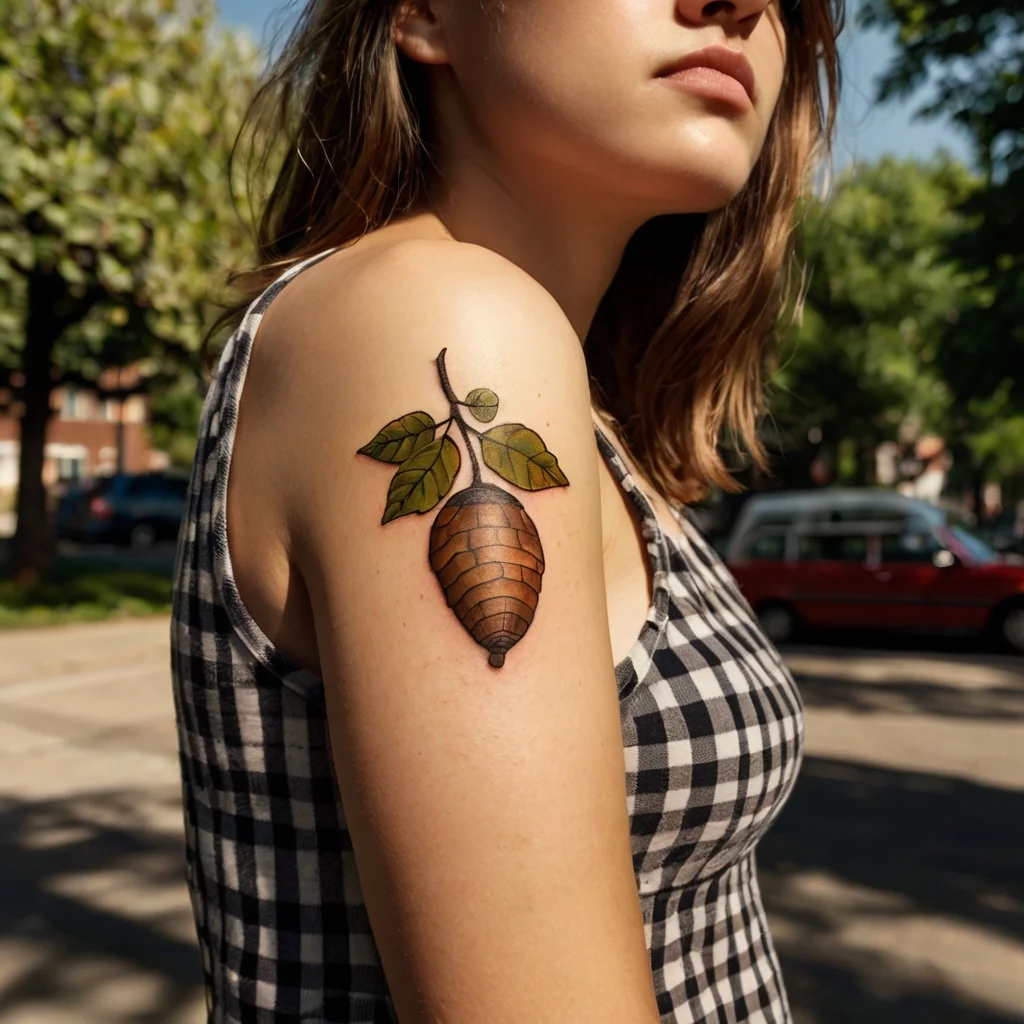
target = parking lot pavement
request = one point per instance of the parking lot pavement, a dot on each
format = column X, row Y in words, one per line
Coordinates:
column 892, row 877
column 95, row 926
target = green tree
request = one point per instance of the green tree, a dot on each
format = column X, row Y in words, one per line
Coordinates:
column 970, row 55
column 174, row 412
column 862, row 359
column 116, row 225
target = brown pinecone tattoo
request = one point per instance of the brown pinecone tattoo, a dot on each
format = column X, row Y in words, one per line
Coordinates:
column 489, row 562
column 484, row 547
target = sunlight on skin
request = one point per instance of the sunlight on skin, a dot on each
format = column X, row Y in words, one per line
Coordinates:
column 866, row 131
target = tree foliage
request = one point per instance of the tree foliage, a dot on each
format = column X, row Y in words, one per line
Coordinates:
column 116, row 225
column 863, row 359
column 970, row 55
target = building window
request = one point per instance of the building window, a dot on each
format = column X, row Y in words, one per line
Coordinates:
column 77, row 405
column 71, row 407
column 71, row 468
column 134, row 410
column 65, row 462
column 8, row 464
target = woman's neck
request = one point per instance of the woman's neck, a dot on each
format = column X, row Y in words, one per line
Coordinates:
column 569, row 244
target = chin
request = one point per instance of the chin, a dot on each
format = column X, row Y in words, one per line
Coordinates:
column 708, row 191
column 696, row 187
column 698, row 173
column 714, row 161
column 696, row 192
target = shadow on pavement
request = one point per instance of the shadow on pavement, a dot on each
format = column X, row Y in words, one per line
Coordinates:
column 830, row 995
column 905, row 641
column 896, row 898
column 912, row 697
column 93, row 911
column 872, row 877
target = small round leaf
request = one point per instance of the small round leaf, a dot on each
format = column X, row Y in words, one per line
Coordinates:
column 483, row 404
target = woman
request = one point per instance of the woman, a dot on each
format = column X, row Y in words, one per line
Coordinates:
column 518, row 268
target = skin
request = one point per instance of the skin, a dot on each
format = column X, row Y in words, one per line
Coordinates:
column 487, row 808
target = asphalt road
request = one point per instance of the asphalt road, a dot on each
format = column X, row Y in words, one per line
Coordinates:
column 893, row 877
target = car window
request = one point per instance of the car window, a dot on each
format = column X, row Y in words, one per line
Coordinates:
column 832, row 548
column 976, row 547
column 912, row 546
column 765, row 547
column 139, row 486
column 857, row 514
column 156, row 487
column 771, row 518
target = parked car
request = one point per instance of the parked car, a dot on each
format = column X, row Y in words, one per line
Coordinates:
column 1005, row 535
column 136, row 509
column 862, row 559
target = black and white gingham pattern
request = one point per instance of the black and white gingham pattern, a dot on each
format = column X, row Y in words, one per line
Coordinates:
column 711, row 730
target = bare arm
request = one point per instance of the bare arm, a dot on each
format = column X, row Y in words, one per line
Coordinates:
column 482, row 778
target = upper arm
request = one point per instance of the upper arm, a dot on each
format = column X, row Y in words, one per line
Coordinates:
column 486, row 805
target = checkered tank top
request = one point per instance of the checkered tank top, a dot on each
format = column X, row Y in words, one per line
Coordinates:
column 711, row 737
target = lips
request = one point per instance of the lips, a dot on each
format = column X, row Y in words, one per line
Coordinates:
column 707, row 64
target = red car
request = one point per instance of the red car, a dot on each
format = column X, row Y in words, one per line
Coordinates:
column 871, row 560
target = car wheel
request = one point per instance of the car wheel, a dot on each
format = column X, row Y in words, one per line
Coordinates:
column 1011, row 628
column 142, row 537
column 779, row 622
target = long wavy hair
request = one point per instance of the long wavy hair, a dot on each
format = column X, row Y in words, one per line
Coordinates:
column 339, row 130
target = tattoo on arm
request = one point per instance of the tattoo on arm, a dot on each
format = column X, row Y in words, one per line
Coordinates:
column 484, row 548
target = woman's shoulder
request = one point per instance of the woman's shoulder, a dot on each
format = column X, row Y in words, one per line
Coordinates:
column 394, row 294
column 353, row 342
column 358, row 335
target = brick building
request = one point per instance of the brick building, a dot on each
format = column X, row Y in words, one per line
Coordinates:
column 83, row 437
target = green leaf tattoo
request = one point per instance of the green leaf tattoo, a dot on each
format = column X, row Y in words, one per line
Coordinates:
column 518, row 454
column 484, row 547
column 483, row 404
column 423, row 479
column 401, row 437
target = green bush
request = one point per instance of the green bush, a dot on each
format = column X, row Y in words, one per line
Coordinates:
column 75, row 593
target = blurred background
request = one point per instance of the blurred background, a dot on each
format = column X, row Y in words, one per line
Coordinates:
column 884, row 552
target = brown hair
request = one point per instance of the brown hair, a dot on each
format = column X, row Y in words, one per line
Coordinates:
column 677, row 348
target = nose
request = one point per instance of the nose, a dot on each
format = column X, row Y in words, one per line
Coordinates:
column 742, row 15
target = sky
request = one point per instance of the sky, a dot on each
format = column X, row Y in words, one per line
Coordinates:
column 866, row 130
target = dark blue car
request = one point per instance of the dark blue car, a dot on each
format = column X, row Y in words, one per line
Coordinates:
column 137, row 509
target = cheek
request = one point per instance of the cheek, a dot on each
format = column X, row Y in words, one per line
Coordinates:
column 565, row 54
column 768, row 55
column 543, row 94
column 591, row 110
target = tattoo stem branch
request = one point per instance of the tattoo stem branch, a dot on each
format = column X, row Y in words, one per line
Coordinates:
column 456, row 414
column 484, row 547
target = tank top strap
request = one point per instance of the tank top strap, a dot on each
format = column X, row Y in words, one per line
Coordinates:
column 213, row 459
column 653, row 533
column 237, row 348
